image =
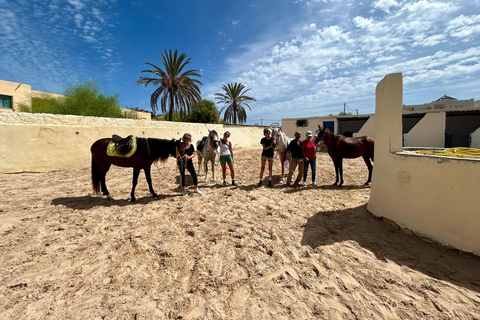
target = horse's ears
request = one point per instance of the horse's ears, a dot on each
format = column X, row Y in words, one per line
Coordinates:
column 319, row 127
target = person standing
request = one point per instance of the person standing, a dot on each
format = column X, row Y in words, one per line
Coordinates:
column 295, row 148
column 186, row 162
column 268, row 144
column 226, row 157
column 308, row 147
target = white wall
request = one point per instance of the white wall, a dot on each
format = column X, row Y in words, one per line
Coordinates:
column 44, row 142
column 475, row 139
column 428, row 132
column 368, row 129
column 435, row 197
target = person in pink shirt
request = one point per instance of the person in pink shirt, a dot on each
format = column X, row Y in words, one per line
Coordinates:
column 308, row 147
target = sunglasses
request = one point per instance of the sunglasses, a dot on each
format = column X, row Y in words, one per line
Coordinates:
column 186, row 138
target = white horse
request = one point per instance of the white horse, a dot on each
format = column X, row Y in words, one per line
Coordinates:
column 207, row 149
column 285, row 155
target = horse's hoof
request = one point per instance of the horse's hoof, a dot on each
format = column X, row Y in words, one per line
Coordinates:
column 108, row 197
column 206, row 181
column 133, row 200
column 154, row 195
column 335, row 184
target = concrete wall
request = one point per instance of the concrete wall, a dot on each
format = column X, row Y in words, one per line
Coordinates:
column 44, row 142
column 435, row 197
column 428, row 132
column 368, row 128
column 20, row 93
column 289, row 126
column 475, row 139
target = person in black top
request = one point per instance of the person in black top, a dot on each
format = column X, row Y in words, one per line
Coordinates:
column 186, row 162
column 268, row 144
column 295, row 148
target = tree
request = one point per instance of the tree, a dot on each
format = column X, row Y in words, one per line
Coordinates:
column 83, row 100
column 234, row 99
column 204, row 112
column 177, row 90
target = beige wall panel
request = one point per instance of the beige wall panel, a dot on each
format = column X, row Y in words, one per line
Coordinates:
column 20, row 93
column 428, row 132
column 433, row 196
column 475, row 139
column 44, row 142
column 368, row 129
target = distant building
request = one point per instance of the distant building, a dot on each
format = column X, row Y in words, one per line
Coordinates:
column 446, row 122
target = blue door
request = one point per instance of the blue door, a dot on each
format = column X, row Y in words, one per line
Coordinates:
column 330, row 125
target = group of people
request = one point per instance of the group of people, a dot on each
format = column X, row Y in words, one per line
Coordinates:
column 185, row 162
column 303, row 155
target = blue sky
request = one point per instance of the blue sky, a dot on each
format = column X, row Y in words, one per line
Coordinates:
column 300, row 58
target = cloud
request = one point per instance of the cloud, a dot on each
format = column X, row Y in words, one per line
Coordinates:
column 308, row 73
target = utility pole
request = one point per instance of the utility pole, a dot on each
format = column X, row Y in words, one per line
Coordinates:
column 344, row 105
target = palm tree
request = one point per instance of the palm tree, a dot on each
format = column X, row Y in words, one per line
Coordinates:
column 233, row 99
column 177, row 89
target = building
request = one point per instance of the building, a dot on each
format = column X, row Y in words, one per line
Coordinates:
column 444, row 123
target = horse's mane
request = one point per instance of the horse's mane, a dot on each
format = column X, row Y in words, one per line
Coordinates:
column 156, row 149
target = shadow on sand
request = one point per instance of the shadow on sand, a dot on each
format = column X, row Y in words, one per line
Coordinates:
column 88, row 202
column 386, row 241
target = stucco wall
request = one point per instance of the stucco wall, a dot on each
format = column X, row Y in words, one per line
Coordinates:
column 428, row 132
column 368, row 128
column 20, row 93
column 475, row 139
column 44, row 142
column 433, row 196
column 289, row 126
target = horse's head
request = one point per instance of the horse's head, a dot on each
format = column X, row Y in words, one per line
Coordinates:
column 213, row 137
column 179, row 148
column 275, row 132
column 320, row 134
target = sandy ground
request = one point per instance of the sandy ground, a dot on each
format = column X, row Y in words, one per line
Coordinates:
column 232, row 253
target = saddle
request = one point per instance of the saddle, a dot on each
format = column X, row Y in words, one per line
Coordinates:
column 122, row 147
column 202, row 143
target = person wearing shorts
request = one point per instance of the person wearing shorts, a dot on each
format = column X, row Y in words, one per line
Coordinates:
column 226, row 157
column 268, row 144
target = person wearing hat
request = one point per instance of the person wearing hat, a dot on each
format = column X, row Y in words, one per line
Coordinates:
column 295, row 148
column 226, row 157
column 268, row 144
column 309, row 152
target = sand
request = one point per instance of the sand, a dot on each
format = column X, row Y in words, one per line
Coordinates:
column 231, row 253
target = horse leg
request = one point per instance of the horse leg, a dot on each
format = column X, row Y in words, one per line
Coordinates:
column 136, row 171
column 213, row 169
column 366, row 157
column 336, row 171
column 106, row 167
column 200, row 158
column 205, row 169
column 340, row 171
column 147, row 171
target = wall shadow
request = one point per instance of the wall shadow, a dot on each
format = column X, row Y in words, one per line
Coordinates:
column 88, row 202
column 386, row 241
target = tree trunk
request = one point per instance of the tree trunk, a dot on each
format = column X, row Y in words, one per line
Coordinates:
column 170, row 111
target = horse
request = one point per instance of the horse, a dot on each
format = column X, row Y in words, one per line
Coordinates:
column 148, row 151
column 340, row 147
column 283, row 142
column 207, row 149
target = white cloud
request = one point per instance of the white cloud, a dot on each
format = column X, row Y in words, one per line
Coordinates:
column 385, row 5
column 310, row 27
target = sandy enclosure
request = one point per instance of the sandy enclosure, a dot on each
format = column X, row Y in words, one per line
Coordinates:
column 232, row 253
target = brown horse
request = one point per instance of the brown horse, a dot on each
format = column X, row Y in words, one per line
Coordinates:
column 340, row 147
column 148, row 151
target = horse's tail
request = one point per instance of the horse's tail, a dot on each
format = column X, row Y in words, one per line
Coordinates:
column 95, row 177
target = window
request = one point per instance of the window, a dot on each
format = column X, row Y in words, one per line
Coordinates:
column 302, row 123
column 5, row 102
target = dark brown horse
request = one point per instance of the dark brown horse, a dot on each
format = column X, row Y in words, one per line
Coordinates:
column 340, row 147
column 148, row 151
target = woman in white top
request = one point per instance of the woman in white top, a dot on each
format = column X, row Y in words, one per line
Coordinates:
column 226, row 156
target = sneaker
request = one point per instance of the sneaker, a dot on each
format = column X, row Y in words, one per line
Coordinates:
column 314, row 184
column 270, row 183
column 197, row 191
column 185, row 194
column 304, row 184
column 224, row 184
column 260, row 183
column 234, row 183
